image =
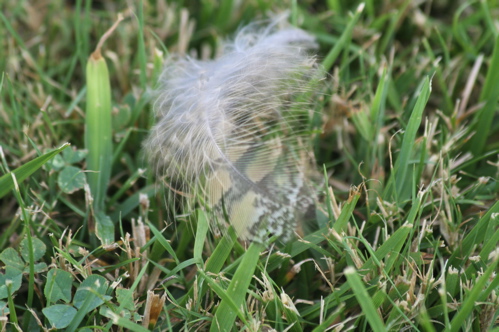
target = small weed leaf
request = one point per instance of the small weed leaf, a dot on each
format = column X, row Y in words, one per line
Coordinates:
column 71, row 179
column 59, row 315
column 39, row 249
column 11, row 279
column 73, row 156
column 58, row 286
column 91, row 293
column 11, row 258
column 125, row 298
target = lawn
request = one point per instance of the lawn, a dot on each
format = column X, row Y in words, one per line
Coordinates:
column 405, row 140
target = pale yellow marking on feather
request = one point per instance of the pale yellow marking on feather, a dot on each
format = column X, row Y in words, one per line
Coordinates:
column 219, row 183
column 236, row 152
column 265, row 160
column 243, row 214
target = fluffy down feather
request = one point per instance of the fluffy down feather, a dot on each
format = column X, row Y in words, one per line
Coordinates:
column 233, row 133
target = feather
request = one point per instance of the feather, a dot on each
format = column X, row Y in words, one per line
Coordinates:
column 234, row 132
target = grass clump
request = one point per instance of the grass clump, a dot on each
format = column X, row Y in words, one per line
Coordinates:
column 410, row 231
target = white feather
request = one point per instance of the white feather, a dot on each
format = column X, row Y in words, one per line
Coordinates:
column 232, row 132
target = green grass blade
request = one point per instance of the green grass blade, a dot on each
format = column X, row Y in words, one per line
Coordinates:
column 98, row 129
column 225, row 14
column 346, row 212
column 343, row 41
column 142, row 49
column 217, row 258
column 439, row 78
column 394, row 19
column 469, row 303
column 163, row 241
column 476, row 235
column 132, row 202
column 379, row 104
column 27, row 231
column 364, row 299
column 238, row 287
column 123, row 322
column 490, row 97
column 24, row 171
column 201, row 231
column 399, row 179
column 98, row 136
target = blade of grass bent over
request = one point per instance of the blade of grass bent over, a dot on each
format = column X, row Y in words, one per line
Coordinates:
column 24, row 171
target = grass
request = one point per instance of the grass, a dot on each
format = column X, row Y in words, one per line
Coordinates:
column 409, row 147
